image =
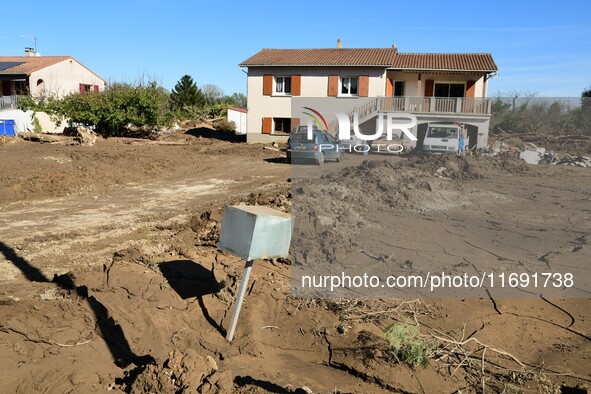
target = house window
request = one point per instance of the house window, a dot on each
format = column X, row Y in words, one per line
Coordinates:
column 449, row 90
column 349, row 86
column 398, row 88
column 282, row 125
column 283, row 85
column 84, row 88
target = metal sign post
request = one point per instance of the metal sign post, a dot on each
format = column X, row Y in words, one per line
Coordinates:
column 239, row 299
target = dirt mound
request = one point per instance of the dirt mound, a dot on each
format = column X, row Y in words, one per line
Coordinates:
column 466, row 167
column 182, row 372
column 420, row 184
column 334, row 214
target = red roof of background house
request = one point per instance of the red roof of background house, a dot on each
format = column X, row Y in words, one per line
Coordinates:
column 238, row 109
column 378, row 57
column 322, row 57
column 29, row 64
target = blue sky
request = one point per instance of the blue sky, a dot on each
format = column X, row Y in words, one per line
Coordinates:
column 540, row 47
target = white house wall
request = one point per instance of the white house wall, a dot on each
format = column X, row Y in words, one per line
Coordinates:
column 239, row 118
column 314, row 83
column 64, row 78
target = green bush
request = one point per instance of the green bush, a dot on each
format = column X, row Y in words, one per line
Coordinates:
column 37, row 125
column 25, row 103
column 122, row 110
column 406, row 344
column 225, row 125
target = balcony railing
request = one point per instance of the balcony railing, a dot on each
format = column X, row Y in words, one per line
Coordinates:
column 421, row 105
column 7, row 102
column 460, row 105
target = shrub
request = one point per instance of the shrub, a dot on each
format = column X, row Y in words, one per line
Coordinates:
column 25, row 103
column 225, row 125
column 406, row 344
column 37, row 125
column 122, row 110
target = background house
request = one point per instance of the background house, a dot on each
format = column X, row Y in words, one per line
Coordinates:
column 433, row 87
column 55, row 76
column 238, row 116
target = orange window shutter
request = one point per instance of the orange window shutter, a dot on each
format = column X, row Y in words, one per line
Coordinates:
column 296, row 85
column 363, row 85
column 333, row 85
column 295, row 122
column 267, row 125
column 429, row 85
column 267, row 85
column 389, row 87
column 470, row 88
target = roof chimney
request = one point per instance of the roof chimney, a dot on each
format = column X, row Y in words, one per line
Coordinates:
column 339, row 43
column 29, row 52
column 394, row 46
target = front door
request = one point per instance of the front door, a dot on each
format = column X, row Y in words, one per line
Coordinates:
column 6, row 88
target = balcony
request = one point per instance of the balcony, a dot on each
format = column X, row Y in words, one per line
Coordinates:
column 439, row 105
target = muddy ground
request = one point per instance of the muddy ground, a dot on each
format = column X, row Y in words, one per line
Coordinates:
column 110, row 278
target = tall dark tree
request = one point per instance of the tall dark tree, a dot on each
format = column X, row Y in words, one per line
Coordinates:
column 586, row 98
column 187, row 94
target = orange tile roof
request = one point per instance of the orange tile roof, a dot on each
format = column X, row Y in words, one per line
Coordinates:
column 445, row 61
column 379, row 57
column 322, row 57
column 30, row 64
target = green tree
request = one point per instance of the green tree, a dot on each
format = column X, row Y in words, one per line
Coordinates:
column 187, row 95
column 238, row 99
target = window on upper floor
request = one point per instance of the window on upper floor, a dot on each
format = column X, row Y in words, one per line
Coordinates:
column 282, row 85
column 449, row 89
column 349, row 86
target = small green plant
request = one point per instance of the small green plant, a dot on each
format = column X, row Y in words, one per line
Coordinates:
column 37, row 125
column 407, row 345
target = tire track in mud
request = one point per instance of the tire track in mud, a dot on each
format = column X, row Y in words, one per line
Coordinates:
column 83, row 229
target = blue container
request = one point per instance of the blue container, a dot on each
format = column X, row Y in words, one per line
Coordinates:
column 7, row 127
